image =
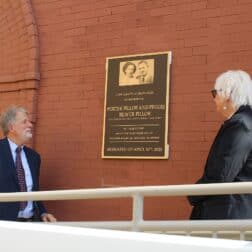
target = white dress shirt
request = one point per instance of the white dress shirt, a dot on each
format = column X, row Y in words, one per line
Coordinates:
column 28, row 211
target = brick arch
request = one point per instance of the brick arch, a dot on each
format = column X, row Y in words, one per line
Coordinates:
column 19, row 54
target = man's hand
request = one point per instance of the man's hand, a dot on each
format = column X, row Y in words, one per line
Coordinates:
column 46, row 217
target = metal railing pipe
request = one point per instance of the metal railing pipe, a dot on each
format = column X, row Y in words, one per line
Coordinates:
column 123, row 192
column 137, row 214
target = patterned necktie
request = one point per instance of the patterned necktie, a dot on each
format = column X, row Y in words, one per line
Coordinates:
column 21, row 176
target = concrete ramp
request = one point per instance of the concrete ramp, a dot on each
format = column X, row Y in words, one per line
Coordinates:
column 30, row 237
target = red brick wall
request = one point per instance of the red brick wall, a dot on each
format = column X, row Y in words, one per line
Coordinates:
column 206, row 38
column 19, row 53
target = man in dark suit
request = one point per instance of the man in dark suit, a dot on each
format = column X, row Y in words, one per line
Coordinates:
column 144, row 76
column 19, row 167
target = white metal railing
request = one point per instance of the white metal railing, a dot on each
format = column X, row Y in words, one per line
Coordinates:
column 234, row 229
column 138, row 193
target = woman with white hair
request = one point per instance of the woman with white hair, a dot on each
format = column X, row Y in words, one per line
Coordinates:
column 230, row 157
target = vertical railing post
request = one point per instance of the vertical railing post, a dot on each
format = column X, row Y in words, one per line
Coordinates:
column 137, row 211
column 242, row 235
column 215, row 234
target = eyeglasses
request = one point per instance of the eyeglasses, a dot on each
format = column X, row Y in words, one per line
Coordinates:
column 215, row 91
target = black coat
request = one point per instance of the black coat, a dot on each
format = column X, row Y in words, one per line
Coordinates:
column 9, row 180
column 229, row 160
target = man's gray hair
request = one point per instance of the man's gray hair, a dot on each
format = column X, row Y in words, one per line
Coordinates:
column 143, row 62
column 9, row 116
column 237, row 85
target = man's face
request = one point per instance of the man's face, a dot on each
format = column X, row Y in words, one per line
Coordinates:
column 143, row 69
column 21, row 128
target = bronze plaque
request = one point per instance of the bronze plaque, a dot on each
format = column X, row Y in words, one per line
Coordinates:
column 136, row 106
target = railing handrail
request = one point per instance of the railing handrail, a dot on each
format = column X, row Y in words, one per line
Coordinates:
column 138, row 193
column 171, row 225
column 124, row 192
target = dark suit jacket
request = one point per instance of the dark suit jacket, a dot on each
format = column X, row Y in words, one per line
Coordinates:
column 9, row 181
column 229, row 160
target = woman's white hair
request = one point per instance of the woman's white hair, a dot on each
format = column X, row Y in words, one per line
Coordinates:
column 237, row 85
